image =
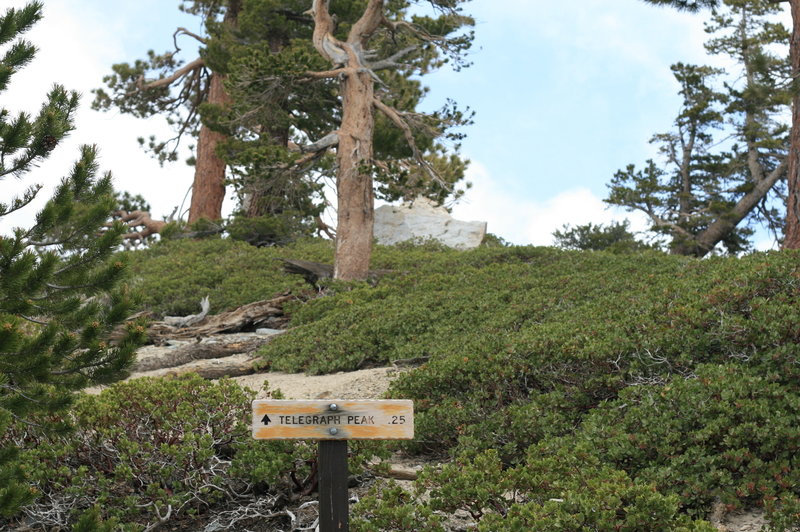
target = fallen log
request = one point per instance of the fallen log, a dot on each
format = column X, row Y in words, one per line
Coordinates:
column 233, row 366
column 251, row 316
column 399, row 473
column 200, row 351
column 314, row 271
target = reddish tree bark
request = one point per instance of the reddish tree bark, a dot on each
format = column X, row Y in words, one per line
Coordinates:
column 355, row 214
column 356, row 210
column 208, row 190
column 792, row 230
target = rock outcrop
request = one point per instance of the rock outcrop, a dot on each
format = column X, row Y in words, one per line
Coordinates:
column 422, row 219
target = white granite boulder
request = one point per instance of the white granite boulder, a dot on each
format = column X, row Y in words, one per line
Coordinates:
column 423, row 220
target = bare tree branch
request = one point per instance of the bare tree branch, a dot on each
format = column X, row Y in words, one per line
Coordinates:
column 391, row 61
column 393, row 115
column 184, row 31
column 166, row 82
column 328, row 141
column 135, row 219
column 324, row 41
column 366, row 26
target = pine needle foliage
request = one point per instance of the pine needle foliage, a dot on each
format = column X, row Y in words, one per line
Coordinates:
column 60, row 293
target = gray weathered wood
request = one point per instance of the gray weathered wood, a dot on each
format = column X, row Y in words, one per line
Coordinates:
column 333, row 496
column 200, row 351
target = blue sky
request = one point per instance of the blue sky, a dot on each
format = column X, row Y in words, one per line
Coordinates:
column 565, row 94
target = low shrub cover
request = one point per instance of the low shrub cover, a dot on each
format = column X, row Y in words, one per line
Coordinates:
column 567, row 390
column 150, row 451
column 174, row 275
column 724, row 434
column 523, row 345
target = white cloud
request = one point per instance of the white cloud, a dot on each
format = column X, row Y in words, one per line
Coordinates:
column 80, row 64
column 522, row 221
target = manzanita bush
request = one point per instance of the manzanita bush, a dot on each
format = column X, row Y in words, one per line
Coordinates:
column 560, row 391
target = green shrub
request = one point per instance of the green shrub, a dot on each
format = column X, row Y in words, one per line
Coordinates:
column 173, row 276
column 527, row 354
column 555, row 489
column 270, row 230
column 151, row 450
column 391, row 508
column 500, row 326
column 726, row 434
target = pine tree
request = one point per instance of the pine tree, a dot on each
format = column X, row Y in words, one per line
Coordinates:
column 271, row 124
column 383, row 36
column 723, row 163
column 60, row 292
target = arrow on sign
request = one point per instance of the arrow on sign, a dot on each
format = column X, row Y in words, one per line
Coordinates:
column 266, row 420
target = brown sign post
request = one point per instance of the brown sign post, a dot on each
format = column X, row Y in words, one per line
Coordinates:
column 333, row 422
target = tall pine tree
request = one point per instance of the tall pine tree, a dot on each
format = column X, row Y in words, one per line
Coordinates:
column 273, row 121
column 60, row 292
column 724, row 161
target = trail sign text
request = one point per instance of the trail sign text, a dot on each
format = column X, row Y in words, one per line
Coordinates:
column 333, row 419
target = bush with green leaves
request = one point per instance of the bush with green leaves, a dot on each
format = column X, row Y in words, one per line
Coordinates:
column 726, row 434
column 511, row 347
column 516, row 346
column 172, row 276
column 499, row 327
column 555, row 489
column 150, row 451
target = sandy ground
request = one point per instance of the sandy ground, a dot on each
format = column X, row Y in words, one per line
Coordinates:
column 363, row 384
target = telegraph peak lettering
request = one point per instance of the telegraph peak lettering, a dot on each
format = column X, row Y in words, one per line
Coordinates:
column 333, row 419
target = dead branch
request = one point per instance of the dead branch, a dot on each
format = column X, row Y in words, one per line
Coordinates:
column 391, row 61
column 134, row 219
column 184, row 31
column 232, row 366
column 395, row 26
column 166, row 82
column 398, row 473
column 395, row 117
column 328, row 141
column 322, row 227
column 200, row 351
column 260, row 313
column 314, row 271
column 187, row 321
column 324, row 41
column 311, row 271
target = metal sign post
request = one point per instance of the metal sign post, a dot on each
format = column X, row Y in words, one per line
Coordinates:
column 333, row 422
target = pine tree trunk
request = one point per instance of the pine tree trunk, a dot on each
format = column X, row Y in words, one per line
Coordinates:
column 354, row 180
column 792, row 230
column 208, row 190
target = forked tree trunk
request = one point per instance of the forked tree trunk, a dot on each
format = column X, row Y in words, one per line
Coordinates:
column 208, row 190
column 356, row 212
column 791, row 238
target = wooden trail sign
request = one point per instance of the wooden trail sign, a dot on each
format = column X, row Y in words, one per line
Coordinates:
column 333, row 419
